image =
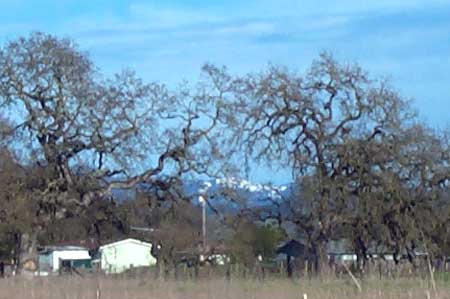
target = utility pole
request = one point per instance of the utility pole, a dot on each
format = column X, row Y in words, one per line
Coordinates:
column 202, row 200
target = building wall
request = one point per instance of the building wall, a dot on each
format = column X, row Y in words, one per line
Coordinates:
column 116, row 258
column 46, row 261
column 69, row 255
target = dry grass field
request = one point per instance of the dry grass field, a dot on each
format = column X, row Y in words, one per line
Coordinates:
column 140, row 288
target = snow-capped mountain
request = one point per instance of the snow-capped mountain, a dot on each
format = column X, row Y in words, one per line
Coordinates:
column 274, row 191
column 237, row 184
column 232, row 194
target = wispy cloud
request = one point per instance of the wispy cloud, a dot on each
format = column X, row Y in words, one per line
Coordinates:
column 264, row 20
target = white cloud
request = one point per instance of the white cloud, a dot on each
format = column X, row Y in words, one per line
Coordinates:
column 250, row 18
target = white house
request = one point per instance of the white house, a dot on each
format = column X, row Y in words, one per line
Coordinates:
column 52, row 258
column 120, row 256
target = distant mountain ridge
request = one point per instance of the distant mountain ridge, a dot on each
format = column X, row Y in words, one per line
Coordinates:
column 232, row 195
column 255, row 194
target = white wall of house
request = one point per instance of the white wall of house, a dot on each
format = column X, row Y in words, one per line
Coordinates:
column 129, row 253
column 53, row 255
column 69, row 255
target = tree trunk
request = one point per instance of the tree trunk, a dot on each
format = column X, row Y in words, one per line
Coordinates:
column 320, row 258
column 197, row 269
column 228, row 271
column 289, row 270
column 28, row 255
column 162, row 268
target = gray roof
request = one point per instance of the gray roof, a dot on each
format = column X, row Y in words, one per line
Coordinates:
column 48, row 249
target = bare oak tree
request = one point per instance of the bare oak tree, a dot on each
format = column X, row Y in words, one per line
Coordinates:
column 90, row 135
column 300, row 121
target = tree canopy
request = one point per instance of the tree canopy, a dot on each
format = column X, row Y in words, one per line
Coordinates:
column 365, row 168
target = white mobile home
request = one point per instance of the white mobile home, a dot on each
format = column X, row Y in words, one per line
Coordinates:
column 52, row 258
column 120, row 256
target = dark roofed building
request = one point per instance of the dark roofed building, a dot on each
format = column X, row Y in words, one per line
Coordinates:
column 298, row 251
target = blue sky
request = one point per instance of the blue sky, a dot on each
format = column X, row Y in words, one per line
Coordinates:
column 407, row 41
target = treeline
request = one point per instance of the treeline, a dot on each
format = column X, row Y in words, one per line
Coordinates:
column 367, row 170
